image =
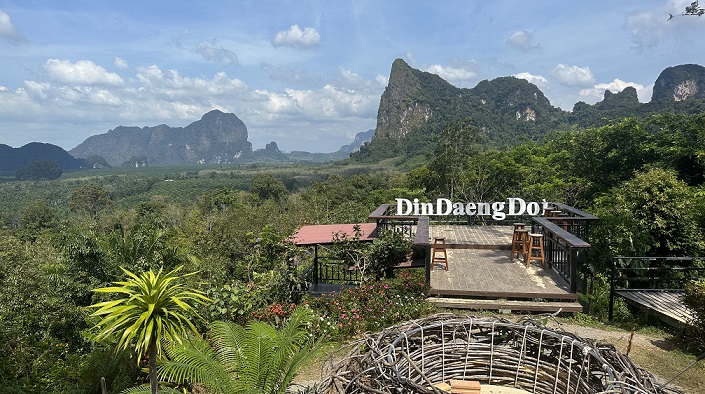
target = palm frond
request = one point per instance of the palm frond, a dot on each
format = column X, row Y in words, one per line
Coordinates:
column 146, row 390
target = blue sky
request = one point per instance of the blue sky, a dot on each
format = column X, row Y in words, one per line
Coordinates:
column 309, row 74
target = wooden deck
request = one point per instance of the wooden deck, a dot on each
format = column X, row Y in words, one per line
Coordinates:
column 482, row 276
column 665, row 304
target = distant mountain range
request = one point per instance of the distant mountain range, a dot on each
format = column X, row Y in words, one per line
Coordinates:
column 13, row 159
column 217, row 138
column 413, row 109
column 416, row 105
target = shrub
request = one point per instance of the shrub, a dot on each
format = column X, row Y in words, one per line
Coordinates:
column 372, row 306
column 695, row 300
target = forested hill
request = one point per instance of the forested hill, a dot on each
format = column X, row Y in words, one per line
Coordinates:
column 217, row 137
column 416, row 105
column 13, row 159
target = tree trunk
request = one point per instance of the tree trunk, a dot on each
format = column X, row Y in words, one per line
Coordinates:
column 152, row 355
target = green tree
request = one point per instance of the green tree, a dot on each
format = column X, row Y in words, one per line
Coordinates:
column 650, row 215
column 266, row 186
column 154, row 307
column 90, row 198
column 388, row 250
column 256, row 358
column 681, row 145
column 458, row 142
column 606, row 156
column 38, row 215
column 41, row 169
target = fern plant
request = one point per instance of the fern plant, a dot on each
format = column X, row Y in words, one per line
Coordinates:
column 256, row 358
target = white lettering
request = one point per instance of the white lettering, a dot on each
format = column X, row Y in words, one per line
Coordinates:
column 439, row 206
column 483, row 209
column 498, row 211
column 533, row 208
column 426, row 208
column 406, row 209
column 470, row 209
column 445, row 207
column 512, row 206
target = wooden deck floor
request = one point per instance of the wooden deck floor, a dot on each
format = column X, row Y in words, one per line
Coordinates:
column 480, row 269
column 666, row 304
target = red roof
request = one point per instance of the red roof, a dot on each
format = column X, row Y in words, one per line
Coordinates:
column 324, row 233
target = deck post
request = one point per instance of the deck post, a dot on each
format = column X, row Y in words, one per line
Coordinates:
column 574, row 256
column 315, row 265
column 610, row 312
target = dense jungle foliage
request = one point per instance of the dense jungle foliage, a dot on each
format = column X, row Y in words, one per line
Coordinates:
column 63, row 238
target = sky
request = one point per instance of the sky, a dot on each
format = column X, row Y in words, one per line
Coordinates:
column 309, row 74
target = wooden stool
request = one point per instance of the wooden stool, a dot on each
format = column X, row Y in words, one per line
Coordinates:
column 439, row 254
column 535, row 252
column 519, row 226
column 519, row 243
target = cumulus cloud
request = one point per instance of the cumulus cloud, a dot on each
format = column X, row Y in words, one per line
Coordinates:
column 523, row 41
column 83, row 72
column 316, row 120
column 8, row 32
column 454, row 75
column 535, row 79
column 616, row 86
column 120, row 63
column 573, row 75
column 220, row 55
column 295, row 37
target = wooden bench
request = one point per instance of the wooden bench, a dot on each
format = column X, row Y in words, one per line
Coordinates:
column 655, row 285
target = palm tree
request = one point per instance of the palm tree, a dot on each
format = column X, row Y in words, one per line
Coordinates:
column 256, row 358
column 155, row 307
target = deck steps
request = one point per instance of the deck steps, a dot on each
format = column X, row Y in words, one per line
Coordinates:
column 505, row 305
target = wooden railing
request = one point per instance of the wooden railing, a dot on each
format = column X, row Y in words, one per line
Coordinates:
column 332, row 271
column 566, row 241
column 564, row 252
column 639, row 273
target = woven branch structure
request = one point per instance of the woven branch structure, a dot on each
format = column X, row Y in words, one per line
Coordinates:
column 415, row 356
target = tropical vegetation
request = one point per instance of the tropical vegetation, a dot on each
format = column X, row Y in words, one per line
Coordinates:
column 229, row 228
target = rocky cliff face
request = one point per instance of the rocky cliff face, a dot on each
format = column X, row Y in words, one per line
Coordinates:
column 680, row 83
column 417, row 104
column 217, row 138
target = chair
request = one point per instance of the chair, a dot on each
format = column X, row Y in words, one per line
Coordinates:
column 439, row 254
column 535, row 252
column 519, row 243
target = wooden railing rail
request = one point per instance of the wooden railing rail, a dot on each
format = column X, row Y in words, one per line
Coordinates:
column 564, row 251
column 653, row 273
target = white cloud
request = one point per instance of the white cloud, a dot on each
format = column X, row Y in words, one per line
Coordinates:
column 306, row 119
column 120, row 63
column 535, row 79
column 616, row 86
column 295, row 37
column 522, row 40
column 573, row 75
column 83, row 72
column 454, row 75
column 8, row 32
column 217, row 55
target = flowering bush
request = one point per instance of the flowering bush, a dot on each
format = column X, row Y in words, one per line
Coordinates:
column 373, row 306
column 273, row 314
